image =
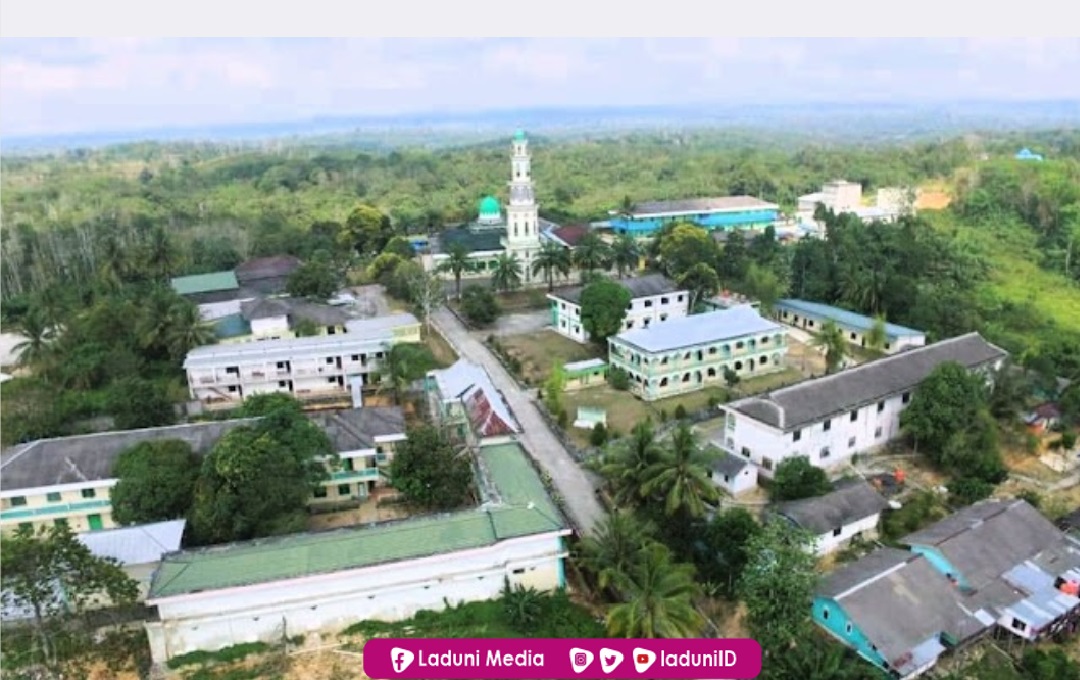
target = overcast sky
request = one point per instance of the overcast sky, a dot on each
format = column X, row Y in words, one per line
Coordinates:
column 105, row 85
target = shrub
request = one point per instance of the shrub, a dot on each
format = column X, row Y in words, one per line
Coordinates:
column 619, row 379
column 680, row 412
column 1031, row 497
column 563, row 418
column 968, row 490
column 599, row 435
column 1068, row 440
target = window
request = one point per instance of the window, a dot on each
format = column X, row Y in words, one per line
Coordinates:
column 745, row 452
column 825, row 452
column 880, row 406
column 52, row 497
column 826, row 426
column 851, row 442
column 847, row 629
column 796, row 435
column 344, row 489
column 60, row 522
column 836, row 532
column 88, row 493
column 1019, row 625
column 26, row 526
column 663, row 317
column 907, row 397
column 16, row 501
column 877, row 432
column 519, row 571
column 320, row 492
column 767, row 463
column 854, row 415
column 355, row 357
column 648, row 303
column 629, row 324
column 680, row 298
column 825, row 613
column 663, row 300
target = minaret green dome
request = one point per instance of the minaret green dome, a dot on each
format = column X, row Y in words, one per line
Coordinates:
column 489, row 207
column 519, row 135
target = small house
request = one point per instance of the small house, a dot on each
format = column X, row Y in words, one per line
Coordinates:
column 731, row 473
column 1043, row 418
column 582, row 374
column 850, row 512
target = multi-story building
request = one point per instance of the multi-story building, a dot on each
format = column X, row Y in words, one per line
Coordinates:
column 69, row 479
column 688, row 354
column 464, row 399
column 729, row 212
column 810, row 316
column 832, row 418
column 283, row 586
column 654, row 299
column 318, row 367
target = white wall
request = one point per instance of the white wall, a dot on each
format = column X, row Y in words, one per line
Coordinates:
column 643, row 313
column 745, row 480
column 829, row 542
column 273, row 326
column 396, row 591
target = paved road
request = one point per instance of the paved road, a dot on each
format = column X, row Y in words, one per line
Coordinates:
column 569, row 479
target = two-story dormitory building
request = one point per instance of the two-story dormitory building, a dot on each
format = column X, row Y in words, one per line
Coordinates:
column 691, row 353
column 653, row 299
column 831, row 418
column 307, row 368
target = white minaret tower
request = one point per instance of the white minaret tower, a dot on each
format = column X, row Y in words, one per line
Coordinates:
column 522, row 212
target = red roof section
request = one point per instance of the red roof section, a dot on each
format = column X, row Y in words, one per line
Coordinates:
column 571, row 234
column 484, row 420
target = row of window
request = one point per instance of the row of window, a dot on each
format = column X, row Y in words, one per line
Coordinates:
column 853, row 417
column 711, row 373
column 51, row 497
column 700, row 354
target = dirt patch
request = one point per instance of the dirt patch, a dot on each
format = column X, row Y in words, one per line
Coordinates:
column 807, row 360
column 933, row 199
column 1021, row 462
column 539, row 352
column 327, row 664
column 376, row 508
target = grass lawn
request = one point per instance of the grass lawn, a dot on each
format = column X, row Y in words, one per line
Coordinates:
column 770, row 381
column 539, row 352
column 440, row 348
column 625, row 410
column 523, row 300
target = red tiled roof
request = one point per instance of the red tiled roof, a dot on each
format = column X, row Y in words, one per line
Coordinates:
column 571, row 234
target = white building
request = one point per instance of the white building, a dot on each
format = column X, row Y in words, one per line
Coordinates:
column 836, row 518
column 317, row 367
column 832, row 418
column 841, row 196
column 810, row 316
column 463, row 397
column 365, row 440
column 654, row 299
column 733, row 474
column 277, row 587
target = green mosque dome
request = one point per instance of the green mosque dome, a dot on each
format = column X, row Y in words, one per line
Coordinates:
column 519, row 135
column 489, row 207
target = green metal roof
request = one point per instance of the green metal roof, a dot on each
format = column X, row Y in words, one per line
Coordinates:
column 473, row 241
column 489, row 207
column 205, row 283
column 522, row 508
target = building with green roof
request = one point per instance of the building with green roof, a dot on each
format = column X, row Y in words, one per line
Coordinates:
column 219, row 596
column 206, row 288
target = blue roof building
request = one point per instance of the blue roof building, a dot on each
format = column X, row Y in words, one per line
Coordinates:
column 729, row 212
column 1026, row 154
column 810, row 316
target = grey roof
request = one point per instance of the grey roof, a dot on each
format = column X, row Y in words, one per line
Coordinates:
column 855, row 573
column 269, row 308
column 356, row 428
column 139, row 544
column 822, row 514
column 90, row 458
column 266, row 308
column 725, row 463
column 699, row 329
column 463, row 379
column 901, row 608
column 584, row 365
column 811, row 401
column 639, row 287
column 701, row 205
column 986, row 540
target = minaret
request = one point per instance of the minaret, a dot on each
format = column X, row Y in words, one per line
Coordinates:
column 522, row 212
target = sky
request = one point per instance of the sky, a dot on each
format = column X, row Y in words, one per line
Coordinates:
column 61, row 86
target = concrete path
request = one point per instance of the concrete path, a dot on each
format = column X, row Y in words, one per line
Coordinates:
column 569, row 479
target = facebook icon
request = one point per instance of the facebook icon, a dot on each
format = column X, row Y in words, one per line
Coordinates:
column 401, row 658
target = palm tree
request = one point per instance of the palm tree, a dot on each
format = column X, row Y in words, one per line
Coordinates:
column 507, row 274
column 35, row 350
column 457, row 263
column 682, row 478
column 625, row 254
column 551, row 259
column 113, row 259
column 187, row 330
column 628, row 469
column 591, row 253
column 161, row 254
column 156, row 321
column 877, row 337
column 659, row 598
column 831, row 339
column 616, row 545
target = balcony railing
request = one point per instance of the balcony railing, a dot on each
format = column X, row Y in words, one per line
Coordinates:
column 365, row 474
column 20, row 512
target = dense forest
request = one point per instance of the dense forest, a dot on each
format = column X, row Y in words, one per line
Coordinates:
column 1001, row 258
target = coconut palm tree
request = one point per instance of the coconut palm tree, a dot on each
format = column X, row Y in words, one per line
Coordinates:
column 616, row 545
column 877, row 337
column 157, row 320
column 681, row 478
column 625, row 254
column 659, row 598
column 457, row 263
column 36, row 348
column 507, row 274
column 187, row 330
column 591, row 254
column 629, row 467
column 160, row 254
column 831, row 339
column 551, row 259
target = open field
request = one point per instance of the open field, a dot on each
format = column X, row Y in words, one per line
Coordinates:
column 770, row 381
column 539, row 352
column 625, row 410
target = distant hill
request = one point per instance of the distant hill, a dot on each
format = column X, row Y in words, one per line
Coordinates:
column 851, row 121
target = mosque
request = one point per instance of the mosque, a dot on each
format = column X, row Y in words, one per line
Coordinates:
column 515, row 229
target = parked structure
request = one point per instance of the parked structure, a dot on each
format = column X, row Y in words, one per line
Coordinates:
column 654, row 299
column 729, row 212
column 810, row 316
column 731, row 473
column 319, row 367
column 690, row 353
column 993, row 565
column 832, row 418
column 68, row 479
column 849, row 513
column 267, row 275
column 278, row 587
column 463, row 397
column 582, row 374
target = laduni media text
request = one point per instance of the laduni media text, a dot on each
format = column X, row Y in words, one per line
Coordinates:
column 542, row 659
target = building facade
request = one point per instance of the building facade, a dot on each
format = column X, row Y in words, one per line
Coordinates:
column 731, row 473
column 464, row 399
column 841, row 196
column 810, row 316
column 319, row 367
column 654, row 299
column 729, row 212
column 832, row 418
column 278, row 587
column 583, row 374
column 365, row 440
column 849, row 513
column 691, row 353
